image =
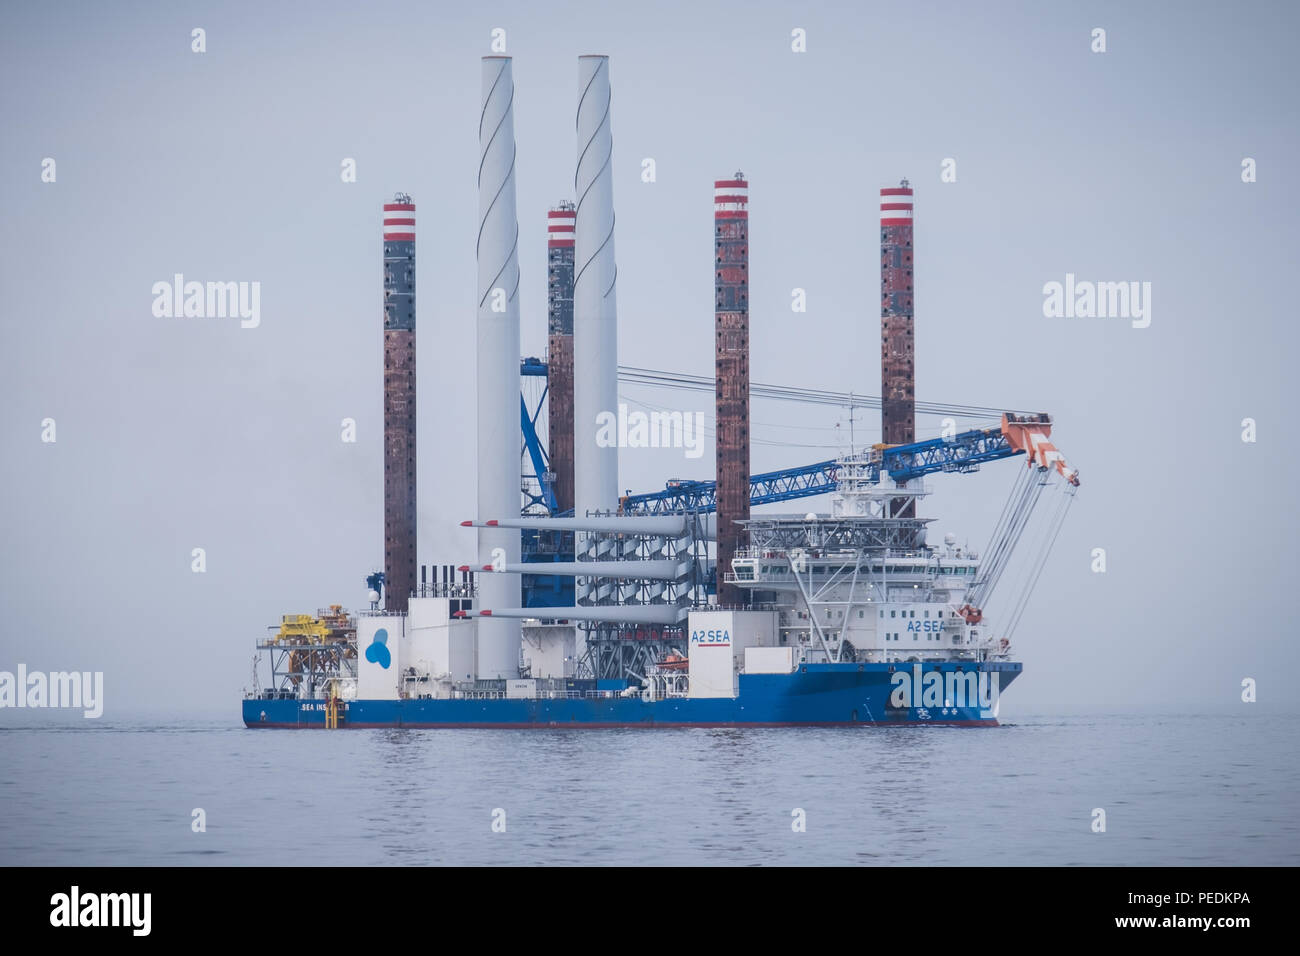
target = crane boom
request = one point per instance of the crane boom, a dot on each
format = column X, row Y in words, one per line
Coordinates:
column 1021, row 433
column 1031, row 434
column 964, row 452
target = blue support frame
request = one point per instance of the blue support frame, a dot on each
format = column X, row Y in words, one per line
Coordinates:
column 537, row 454
column 961, row 453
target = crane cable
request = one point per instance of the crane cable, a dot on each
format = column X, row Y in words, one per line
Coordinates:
column 1040, row 561
column 634, row 375
column 1020, row 505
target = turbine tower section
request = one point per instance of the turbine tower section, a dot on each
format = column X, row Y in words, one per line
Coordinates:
column 595, row 312
column 499, row 433
column 559, row 349
column 399, row 402
column 731, row 335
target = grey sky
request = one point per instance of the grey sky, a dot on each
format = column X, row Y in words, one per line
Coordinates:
column 183, row 433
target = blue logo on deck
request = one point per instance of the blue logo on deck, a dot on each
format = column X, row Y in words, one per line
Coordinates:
column 377, row 652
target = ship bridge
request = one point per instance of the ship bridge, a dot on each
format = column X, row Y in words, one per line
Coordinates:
column 861, row 583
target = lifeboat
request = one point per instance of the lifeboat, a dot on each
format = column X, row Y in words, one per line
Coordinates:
column 674, row 662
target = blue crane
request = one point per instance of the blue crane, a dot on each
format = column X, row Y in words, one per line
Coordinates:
column 963, row 452
column 1020, row 433
column 544, row 498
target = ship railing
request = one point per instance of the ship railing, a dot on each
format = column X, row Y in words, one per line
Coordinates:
column 758, row 553
column 547, row 695
column 583, row 695
column 445, row 590
column 325, row 614
column 784, row 553
column 302, row 642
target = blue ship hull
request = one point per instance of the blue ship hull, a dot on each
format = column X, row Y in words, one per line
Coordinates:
column 817, row 695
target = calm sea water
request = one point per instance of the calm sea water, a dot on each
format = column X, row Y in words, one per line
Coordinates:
column 1176, row 791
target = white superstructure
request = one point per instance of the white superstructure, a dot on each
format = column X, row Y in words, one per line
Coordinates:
column 860, row 583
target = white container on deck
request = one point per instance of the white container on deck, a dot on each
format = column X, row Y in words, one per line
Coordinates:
column 521, row 689
column 769, row 660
